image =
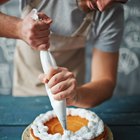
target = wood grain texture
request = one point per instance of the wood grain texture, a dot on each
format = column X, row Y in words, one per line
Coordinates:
column 121, row 114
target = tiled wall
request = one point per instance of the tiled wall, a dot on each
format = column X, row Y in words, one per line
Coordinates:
column 7, row 47
column 129, row 66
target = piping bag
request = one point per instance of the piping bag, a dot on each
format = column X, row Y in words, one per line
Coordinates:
column 47, row 62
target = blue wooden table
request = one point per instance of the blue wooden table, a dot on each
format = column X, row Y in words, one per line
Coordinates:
column 121, row 114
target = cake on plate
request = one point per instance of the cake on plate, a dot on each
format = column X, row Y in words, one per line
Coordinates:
column 82, row 124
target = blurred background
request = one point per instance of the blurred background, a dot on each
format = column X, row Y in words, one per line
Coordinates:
column 128, row 82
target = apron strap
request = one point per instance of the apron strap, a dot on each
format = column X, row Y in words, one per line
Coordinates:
column 85, row 25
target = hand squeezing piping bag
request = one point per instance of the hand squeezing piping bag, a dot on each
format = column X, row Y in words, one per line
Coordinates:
column 47, row 62
column 59, row 107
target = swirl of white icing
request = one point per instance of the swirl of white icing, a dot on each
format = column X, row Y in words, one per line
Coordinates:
column 94, row 128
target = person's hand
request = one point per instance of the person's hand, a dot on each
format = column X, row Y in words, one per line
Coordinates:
column 36, row 33
column 101, row 4
column 62, row 84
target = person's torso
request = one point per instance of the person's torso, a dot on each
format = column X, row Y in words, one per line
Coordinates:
column 66, row 15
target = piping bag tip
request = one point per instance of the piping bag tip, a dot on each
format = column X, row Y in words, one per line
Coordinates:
column 64, row 124
column 60, row 110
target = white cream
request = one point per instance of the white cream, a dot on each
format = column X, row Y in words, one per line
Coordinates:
column 94, row 128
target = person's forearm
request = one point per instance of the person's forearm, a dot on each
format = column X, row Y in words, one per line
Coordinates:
column 9, row 26
column 94, row 93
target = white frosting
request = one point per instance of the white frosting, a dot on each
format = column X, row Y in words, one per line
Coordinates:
column 94, row 128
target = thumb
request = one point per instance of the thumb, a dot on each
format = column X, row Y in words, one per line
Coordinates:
column 44, row 18
column 43, row 78
column 102, row 4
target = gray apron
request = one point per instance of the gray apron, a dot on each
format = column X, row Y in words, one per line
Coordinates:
column 68, row 52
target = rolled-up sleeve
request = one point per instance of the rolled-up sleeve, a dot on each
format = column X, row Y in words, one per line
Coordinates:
column 107, row 29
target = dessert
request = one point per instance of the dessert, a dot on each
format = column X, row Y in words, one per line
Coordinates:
column 82, row 124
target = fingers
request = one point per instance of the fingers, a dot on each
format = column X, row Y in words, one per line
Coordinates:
column 61, row 76
column 100, row 5
column 91, row 4
column 45, row 18
column 64, row 90
column 49, row 75
column 40, row 43
column 44, row 46
column 103, row 4
column 54, row 76
column 43, row 78
column 62, row 84
column 53, row 72
column 36, row 33
column 59, row 87
column 40, row 25
column 43, row 33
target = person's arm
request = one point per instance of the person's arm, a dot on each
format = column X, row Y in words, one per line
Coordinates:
column 9, row 26
column 108, row 35
column 103, row 80
column 34, row 33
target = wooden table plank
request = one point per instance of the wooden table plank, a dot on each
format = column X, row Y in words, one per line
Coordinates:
column 122, row 115
column 25, row 118
column 121, row 118
column 11, row 133
column 124, row 104
column 22, row 111
column 126, row 132
column 119, row 132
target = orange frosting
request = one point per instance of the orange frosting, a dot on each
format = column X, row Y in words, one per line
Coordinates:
column 74, row 123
